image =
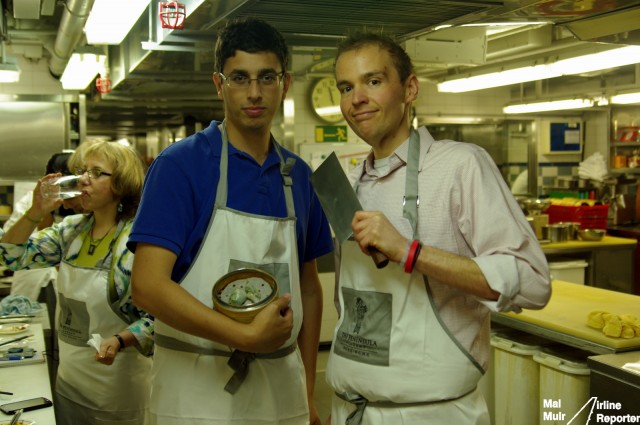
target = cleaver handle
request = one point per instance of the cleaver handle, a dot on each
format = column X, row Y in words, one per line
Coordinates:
column 379, row 258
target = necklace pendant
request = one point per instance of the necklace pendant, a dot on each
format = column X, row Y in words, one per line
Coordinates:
column 92, row 249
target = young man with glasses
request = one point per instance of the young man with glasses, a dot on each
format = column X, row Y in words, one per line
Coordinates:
column 226, row 198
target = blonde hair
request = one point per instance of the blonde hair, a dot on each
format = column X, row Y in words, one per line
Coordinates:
column 75, row 161
column 127, row 175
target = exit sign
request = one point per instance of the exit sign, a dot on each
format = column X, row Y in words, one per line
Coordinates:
column 331, row 133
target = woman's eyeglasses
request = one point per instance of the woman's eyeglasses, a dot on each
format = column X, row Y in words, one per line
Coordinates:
column 93, row 173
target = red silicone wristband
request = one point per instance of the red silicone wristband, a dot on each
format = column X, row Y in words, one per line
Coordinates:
column 408, row 265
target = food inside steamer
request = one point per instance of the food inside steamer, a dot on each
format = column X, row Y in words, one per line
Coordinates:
column 246, row 292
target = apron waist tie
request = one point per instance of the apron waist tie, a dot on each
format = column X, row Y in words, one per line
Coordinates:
column 355, row 418
column 238, row 360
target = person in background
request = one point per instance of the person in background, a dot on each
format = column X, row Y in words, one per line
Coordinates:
column 93, row 287
column 412, row 339
column 226, row 198
column 30, row 282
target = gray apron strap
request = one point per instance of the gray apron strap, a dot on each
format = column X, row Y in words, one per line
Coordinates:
column 285, row 172
column 411, row 201
column 238, row 360
column 221, row 191
column 355, row 418
column 287, row 181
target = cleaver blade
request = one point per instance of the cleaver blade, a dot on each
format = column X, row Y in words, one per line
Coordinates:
column 339, row 202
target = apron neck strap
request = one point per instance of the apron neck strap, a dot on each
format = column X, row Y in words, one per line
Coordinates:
column 285, row 171
column 411, row 201
column 221, row 191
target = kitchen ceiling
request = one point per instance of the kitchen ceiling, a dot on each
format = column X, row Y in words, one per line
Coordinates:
column 163, row 77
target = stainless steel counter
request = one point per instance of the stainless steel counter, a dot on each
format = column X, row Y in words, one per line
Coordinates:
column 618, row 388
column 29, row 380
column 610, row 261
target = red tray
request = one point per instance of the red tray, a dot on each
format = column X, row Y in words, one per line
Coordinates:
column 589, row 217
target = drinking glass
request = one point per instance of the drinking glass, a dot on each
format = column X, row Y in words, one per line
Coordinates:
column 64, row 187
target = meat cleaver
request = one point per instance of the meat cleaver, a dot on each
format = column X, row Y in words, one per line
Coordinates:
column 339, row 202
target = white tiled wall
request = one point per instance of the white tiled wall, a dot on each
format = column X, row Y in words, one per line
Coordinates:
column 35, row 79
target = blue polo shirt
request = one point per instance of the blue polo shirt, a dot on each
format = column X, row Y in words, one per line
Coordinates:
column 179, row 194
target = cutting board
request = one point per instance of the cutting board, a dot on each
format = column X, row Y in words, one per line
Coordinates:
column 569, row 306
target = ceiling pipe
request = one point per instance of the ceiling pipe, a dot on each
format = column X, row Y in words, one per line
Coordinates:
column 69, row 34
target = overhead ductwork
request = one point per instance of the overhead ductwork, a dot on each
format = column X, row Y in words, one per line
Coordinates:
column 622, row 27
column 69, row 34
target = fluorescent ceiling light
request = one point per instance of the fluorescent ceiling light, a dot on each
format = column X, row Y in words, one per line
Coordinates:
column 111, row 20
column 9, row 73
column 586, row 63
column 494, row 28
column 597, row 61
column 557, row 105
column 497, row 79
column 626, row 98
column 81, row 70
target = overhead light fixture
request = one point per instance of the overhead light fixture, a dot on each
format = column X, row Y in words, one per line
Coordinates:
column 497, row 79
column 111, row 20
column 494, row 28
column 556, row 105
column 596, row 61
column 9, row 70
column 626, row 98
column 9, row 73
column 576, row 65
column 82, row 69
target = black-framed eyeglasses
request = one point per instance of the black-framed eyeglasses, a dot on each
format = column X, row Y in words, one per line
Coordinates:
column 93, row 173
column 238, row 80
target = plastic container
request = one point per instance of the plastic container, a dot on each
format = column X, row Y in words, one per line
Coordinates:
column 564, row 385
column 516, row 378
column 486, row 384
column 568, row 270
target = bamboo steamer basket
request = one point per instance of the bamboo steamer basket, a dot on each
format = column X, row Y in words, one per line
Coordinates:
column 244, row 313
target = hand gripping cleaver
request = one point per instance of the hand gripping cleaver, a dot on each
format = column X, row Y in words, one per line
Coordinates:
column 339, row 202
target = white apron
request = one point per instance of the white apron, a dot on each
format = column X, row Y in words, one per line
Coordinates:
column 390, row 352
column 85, row 388
column 190, row 373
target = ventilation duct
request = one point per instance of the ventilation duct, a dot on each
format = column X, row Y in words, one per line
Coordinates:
column 69, row 34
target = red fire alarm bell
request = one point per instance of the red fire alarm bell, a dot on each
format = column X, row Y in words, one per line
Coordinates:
column 103, row 84
column 172, row 14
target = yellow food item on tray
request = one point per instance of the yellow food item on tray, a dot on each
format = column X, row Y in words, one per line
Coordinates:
column 595, row 319
column 615, row 326
column 627, row 332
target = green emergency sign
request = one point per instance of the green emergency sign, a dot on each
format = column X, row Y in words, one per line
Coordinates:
column 331, row 133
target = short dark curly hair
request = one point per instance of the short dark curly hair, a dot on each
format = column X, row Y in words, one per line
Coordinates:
column 400, row 58
column 249, row 35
